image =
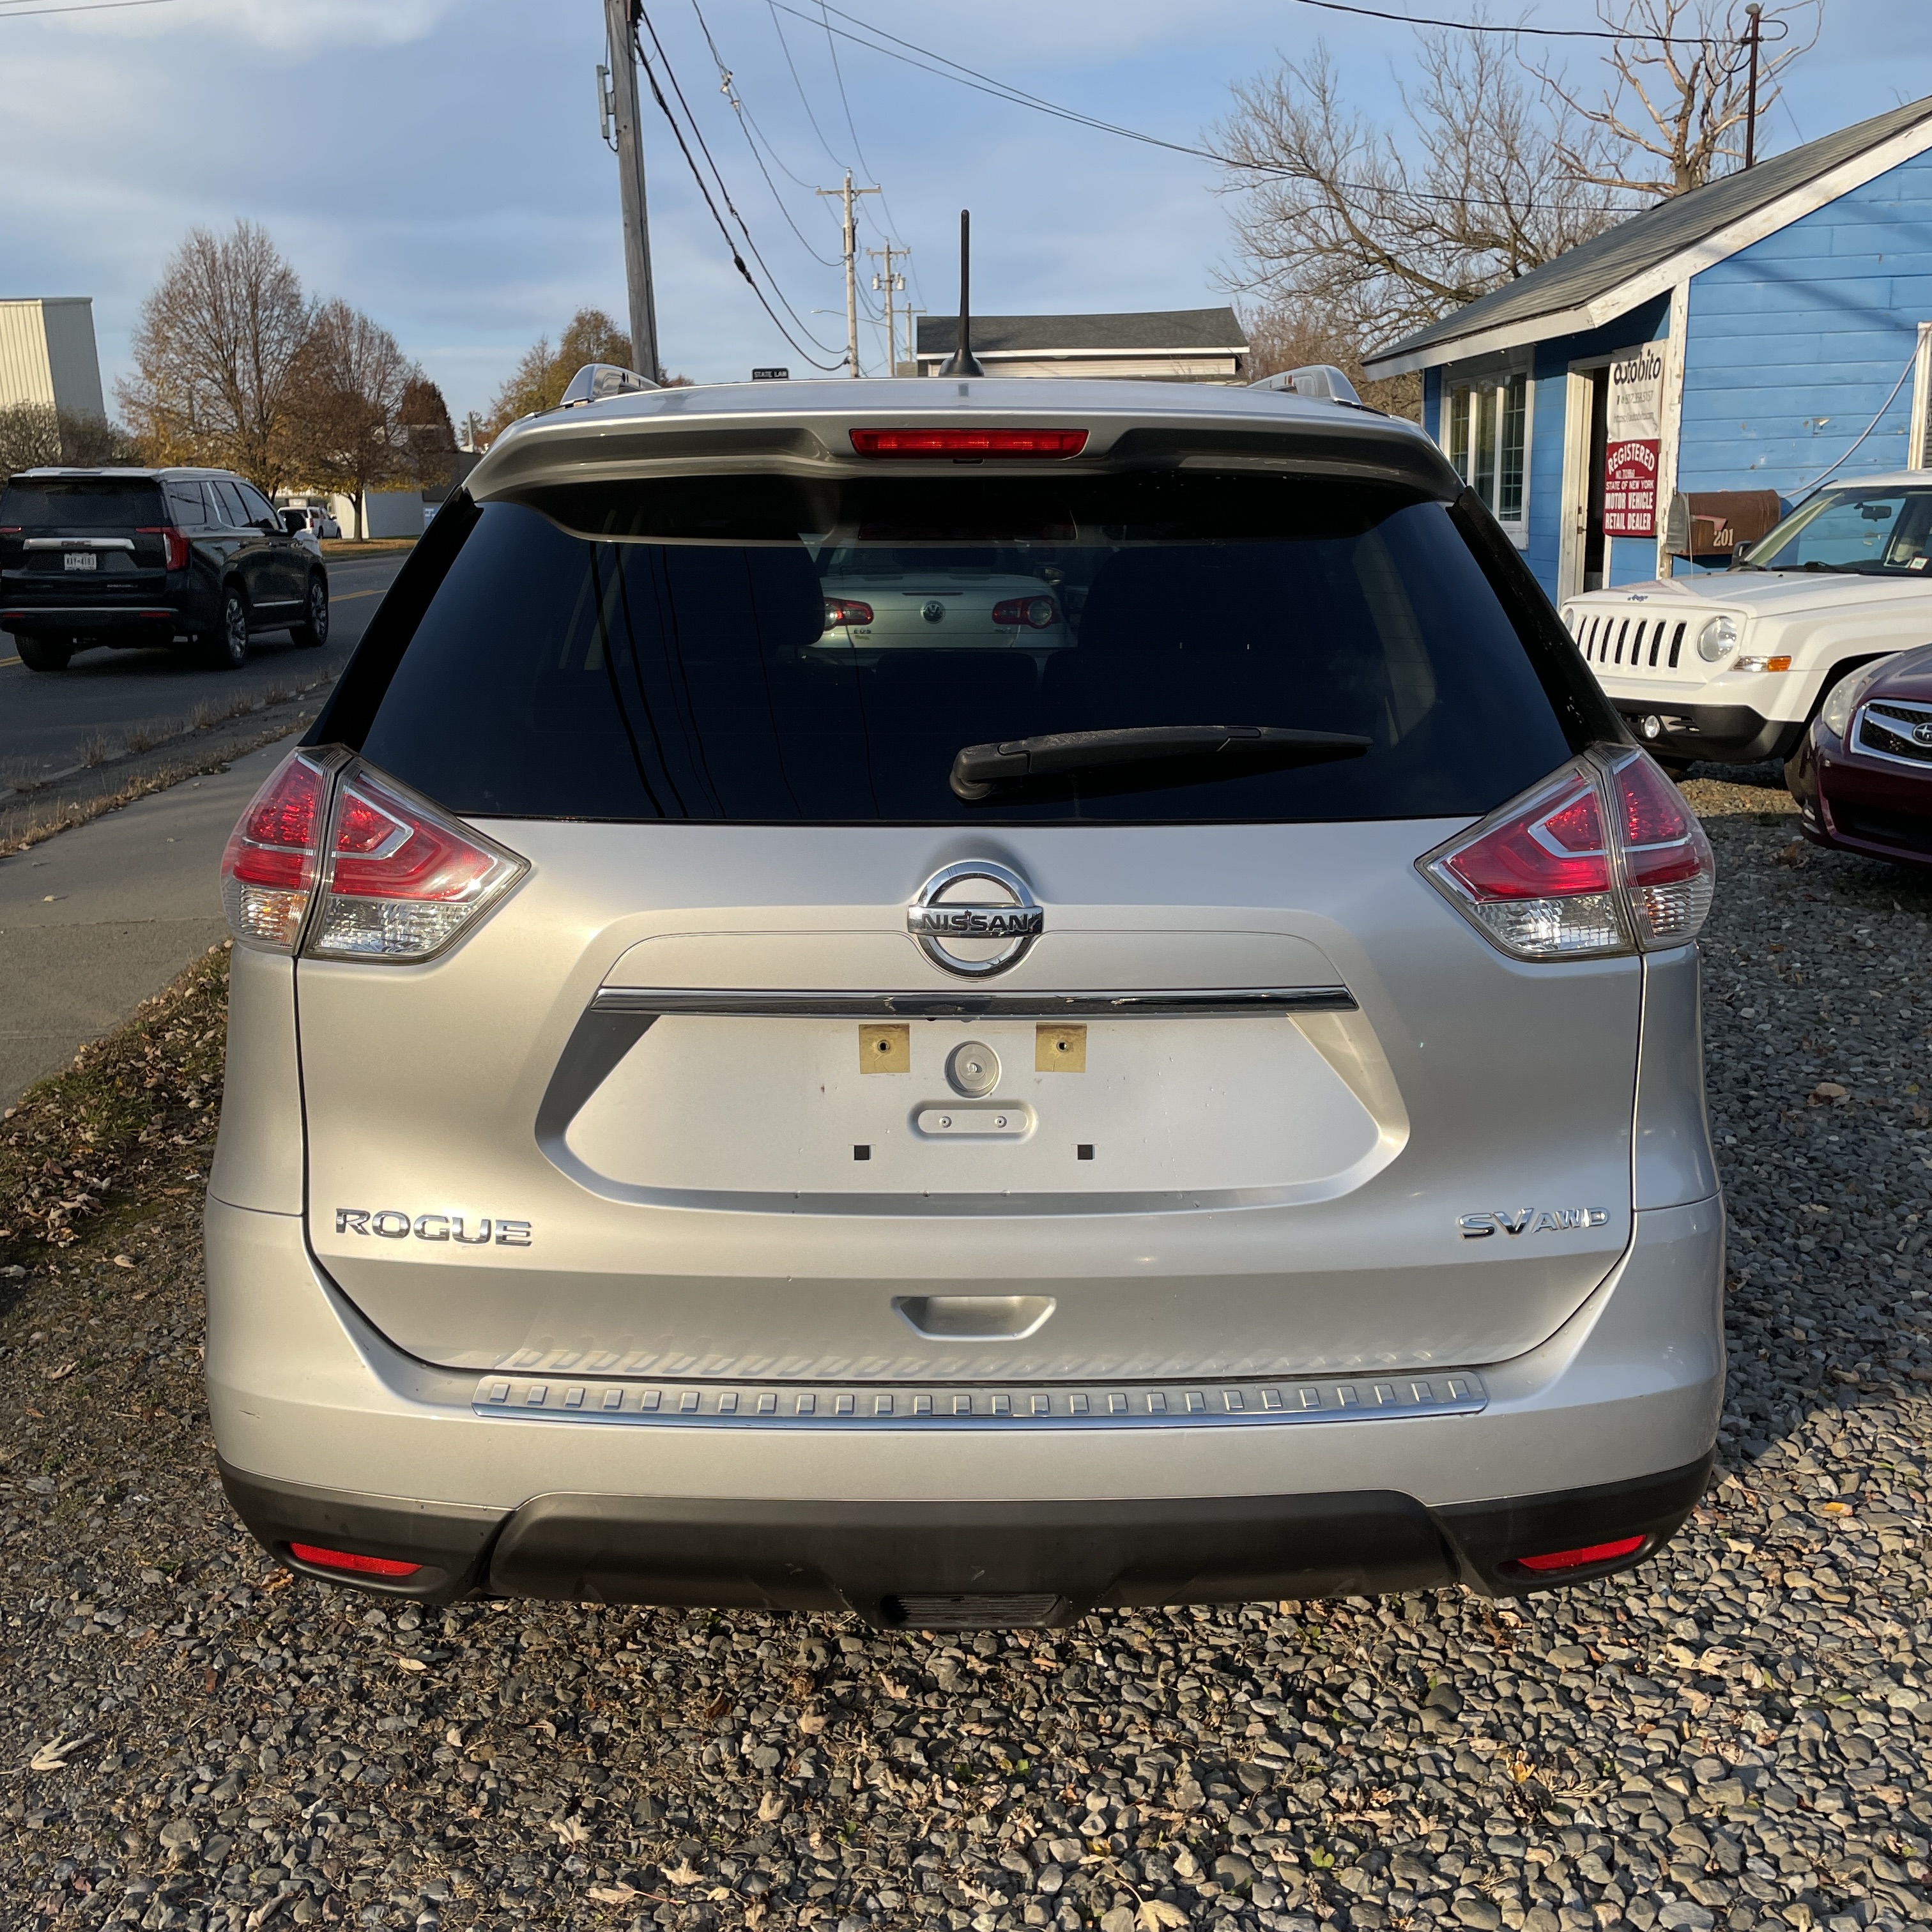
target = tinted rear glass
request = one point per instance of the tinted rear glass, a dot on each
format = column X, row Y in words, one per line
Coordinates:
column 81, row 503
column 758, row 650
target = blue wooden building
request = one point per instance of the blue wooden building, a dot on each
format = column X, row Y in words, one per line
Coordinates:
column 1777, row 325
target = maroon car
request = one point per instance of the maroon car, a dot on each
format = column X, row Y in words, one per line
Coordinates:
column 1862, row 774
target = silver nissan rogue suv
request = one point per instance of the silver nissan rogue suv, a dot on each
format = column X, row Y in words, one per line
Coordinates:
column 964, row 1001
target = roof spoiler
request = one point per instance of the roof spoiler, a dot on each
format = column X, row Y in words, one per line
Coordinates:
column 1319, row 382
column 596, row 380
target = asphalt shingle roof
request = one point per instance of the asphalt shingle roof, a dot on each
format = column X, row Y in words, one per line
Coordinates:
column 1170, row 328
column 1621, row 254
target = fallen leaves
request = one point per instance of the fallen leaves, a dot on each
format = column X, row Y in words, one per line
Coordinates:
column 617, row 1893
column 570, row 1831
column 124, row 1261
column 60, row 1371
column 682, row 1872
column 812, row 1723
column 411, row 1664
column 1156, row 1915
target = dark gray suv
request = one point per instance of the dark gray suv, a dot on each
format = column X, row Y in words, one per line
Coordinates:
column 197, row 558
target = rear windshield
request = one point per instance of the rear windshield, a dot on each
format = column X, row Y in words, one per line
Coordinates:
column 756, row 649
column 81, row 503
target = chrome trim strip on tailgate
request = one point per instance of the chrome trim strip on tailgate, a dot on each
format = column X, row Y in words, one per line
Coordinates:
column 555, row 1398
column 78, row 543
column 1217, row 1002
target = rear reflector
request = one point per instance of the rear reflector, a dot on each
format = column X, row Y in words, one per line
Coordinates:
column 395, row 879
column 1048, row 442
column 1580, row 1559
column 345, row 1559
column 1604, row 857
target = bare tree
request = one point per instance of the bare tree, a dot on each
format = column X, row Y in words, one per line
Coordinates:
column 1290, row 335
column 29, row 436
column 1671, row 116
column 347, row 388
column 214, row 351
column 1338, row 218
column 34, row 433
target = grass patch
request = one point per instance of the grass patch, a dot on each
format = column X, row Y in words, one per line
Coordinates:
column 86, row 1145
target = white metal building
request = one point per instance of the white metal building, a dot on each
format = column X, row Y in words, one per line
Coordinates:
column 47, row 354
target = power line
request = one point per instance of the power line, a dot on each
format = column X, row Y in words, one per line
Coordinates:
column 83, row 7
column 805, row 100
column 737, row 260
column 1541, row 33
column 728, row 88
column 718, row 175
column 981, row 83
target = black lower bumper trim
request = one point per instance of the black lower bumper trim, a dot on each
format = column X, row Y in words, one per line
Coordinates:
column 449, row 1540
column 969, row 1564
column 1731, row 734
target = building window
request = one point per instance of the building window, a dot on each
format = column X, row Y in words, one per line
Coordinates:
column 1488, row 443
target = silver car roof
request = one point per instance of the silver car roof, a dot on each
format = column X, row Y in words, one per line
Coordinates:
column 803, row 428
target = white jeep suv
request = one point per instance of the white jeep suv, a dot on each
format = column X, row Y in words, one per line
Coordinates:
column 1732, row 665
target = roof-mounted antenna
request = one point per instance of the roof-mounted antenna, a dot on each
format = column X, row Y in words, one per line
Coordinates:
column 962, row 361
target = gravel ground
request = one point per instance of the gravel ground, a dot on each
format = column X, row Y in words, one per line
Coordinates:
column 1735, row 1734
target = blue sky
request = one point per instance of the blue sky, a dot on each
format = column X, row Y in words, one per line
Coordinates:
column 437, row 162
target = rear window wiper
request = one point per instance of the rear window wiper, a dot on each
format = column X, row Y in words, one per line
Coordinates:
column 978, row 770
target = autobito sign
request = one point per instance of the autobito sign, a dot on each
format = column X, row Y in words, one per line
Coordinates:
column 1630, row 445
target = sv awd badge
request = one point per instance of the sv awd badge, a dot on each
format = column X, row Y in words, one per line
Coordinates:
column 1531, row 1221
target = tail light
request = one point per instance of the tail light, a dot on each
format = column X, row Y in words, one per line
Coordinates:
column 1668, row 870
column 1590, row 1554
column 846, row 611
column 172, row 541
column 1048, row 442
column 1603, row 857
column 392, row 878
column 349, row 1561
column 268, row 872
column 1037, row 613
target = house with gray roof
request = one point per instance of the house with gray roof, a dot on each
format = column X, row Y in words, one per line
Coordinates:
column 1178, row 345
column 1767, row 332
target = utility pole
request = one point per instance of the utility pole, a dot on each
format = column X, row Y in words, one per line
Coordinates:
column 847, row 193
column 912, row 341
column 1755, row 14
column 620, row 31
column 890, row 283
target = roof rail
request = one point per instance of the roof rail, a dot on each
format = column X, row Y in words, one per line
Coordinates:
column 596, row 380
column 1320, row 381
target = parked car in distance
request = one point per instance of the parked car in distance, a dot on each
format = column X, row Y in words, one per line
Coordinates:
column 311, row 518
column 935, row 600
column 960, row 1135
column 197, row 560
column 1731, row 665
column 1863, row 775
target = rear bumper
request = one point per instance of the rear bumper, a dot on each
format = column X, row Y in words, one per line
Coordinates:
column 164, row 617
column 329, row 1435
column 1732, row 734
column 955, row 1563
